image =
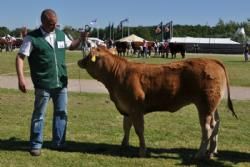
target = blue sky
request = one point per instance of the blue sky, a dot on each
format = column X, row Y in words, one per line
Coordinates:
column 77, row 13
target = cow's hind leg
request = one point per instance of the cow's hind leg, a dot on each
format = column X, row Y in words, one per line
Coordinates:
column 205, row 122
column 127, row 124
column 214, row 137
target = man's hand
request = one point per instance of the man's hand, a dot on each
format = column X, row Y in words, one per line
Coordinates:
column 76, row 43
column 22, row 85
column 19, row 69
column 84, row 36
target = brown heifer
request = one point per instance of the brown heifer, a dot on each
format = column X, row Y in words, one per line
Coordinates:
column 122, row 47
column 137, row 47
column 137, row 89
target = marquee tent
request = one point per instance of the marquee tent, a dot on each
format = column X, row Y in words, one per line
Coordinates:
column 209, row 45
column 131, row 38
column 203, row 40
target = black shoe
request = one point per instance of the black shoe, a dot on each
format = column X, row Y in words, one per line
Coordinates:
column 35, row 152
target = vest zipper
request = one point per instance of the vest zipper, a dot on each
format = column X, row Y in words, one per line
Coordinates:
column 57, row 78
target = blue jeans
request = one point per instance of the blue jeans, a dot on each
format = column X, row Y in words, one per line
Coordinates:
column 60, row 100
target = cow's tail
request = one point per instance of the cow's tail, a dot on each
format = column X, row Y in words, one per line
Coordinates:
column 229, row 101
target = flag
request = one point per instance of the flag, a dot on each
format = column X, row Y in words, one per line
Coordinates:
column 168, row 26
column 93, row 22
column 158, row 28
column 124, row 20
column 168, row 29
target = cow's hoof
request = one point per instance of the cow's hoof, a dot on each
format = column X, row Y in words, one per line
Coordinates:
column 200, row 157
column 142, row 153
column 212, row 155
column 125, row 144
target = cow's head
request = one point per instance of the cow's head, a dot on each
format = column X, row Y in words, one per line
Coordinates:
column 97, row 62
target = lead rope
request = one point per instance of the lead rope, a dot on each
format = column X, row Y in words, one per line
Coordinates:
column 83, row 46
column 79, row 72
column 79, row 80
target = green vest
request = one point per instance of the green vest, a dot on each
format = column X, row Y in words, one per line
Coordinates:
column 47, row 64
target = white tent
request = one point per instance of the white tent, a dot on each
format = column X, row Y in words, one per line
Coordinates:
column 241, row 31
column 8, row 36
column 131, row 38
column 203, row 40
column 97, row 41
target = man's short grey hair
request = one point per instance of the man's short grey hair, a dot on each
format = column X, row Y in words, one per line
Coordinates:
column 45, row 13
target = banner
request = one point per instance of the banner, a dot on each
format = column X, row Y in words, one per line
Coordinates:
column 158, row 28
column 168, row 26
column 168, row 30
column 124, row 20
column 93, row 22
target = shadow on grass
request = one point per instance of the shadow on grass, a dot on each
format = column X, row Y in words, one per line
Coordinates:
column 184, row 155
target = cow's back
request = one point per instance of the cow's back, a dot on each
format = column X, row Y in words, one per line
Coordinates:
column 172, row 86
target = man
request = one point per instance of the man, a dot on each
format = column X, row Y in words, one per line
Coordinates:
column 246, row 52
column 145, row 48
column 45, row 49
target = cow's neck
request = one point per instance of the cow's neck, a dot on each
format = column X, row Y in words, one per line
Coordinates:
column 116, row 73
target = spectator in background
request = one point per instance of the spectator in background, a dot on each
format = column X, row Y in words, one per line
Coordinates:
column 156, row 47
column 145, row 48
column 9, row 41
column 110, row 43
column 196, row 48
column 246, row 52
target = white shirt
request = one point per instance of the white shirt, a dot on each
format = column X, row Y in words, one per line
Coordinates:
column 27, row 47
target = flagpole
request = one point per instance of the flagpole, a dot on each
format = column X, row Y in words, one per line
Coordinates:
column 97, row 31
column 128, row 31
column 162, row 31
column 113, row 32
column 171, row 26
column 122, row 30
column 109, row 30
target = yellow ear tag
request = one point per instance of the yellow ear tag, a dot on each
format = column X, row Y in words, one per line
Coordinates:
column 93, row 58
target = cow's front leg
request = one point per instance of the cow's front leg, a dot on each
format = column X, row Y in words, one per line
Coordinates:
column 138, row 122
column 127, row 123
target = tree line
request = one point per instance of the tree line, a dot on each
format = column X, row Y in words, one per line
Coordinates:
column 220, row 30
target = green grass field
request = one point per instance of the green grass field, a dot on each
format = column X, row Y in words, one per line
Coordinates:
column 95, row 131
column 95, row 127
